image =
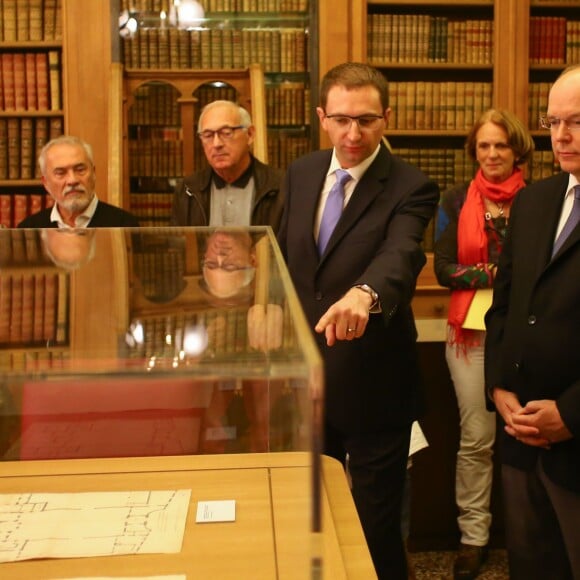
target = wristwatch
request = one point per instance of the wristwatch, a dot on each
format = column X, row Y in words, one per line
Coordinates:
column 366, row 288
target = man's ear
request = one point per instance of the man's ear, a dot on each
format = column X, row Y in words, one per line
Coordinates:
column 321, row 117
column 386, row 115
column 251, row 130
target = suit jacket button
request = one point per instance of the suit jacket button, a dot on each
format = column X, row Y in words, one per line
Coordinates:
column 531, row 320
column 318, row 296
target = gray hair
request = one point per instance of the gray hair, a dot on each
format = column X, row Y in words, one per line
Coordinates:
column 64, row 140
column 244, row 116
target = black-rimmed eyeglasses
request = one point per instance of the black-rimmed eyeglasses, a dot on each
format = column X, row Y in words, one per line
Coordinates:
column 224, row 133
column 364, row 122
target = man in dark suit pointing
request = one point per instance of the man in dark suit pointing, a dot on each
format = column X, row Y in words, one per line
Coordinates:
column 356, row 292
column 68, row 175
column 532, row 356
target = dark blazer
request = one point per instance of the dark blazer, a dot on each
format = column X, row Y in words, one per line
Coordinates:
column 191, row 200
column 533, row 327
column 372, row 383
column 105, row 216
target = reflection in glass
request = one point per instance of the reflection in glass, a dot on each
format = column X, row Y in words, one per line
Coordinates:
column 181, row 342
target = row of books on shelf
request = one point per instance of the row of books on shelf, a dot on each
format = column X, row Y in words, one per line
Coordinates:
column 245, row 6
column 537, row 103
column 15, row 207
column 447, row 166
column 284, row 147
column 444, row 105
column 157, row 157
column 155, row 103
column 33, row 360
column 277, row 49
column 554, row 40
column 30, row 20
column 160, row 271
column 422, row 38
column 288, row 104
column 543, row 165
column 30, row 81
column 152, row 209
column 210, row 6
column 21, row 247
column 33, row 308
column 21, row 140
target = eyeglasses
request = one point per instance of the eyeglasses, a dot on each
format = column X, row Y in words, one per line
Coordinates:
column 553, row 123
column 225, row 267
column 224, row 133
column 364, row 122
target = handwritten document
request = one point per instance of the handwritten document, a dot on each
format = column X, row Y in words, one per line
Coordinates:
column 75, row 525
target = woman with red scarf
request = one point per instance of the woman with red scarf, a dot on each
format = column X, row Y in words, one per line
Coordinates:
column 471, row 226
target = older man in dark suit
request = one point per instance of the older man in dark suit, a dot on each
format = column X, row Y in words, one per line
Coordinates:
column 532, row 357
column 68, row 175
column 356, row 292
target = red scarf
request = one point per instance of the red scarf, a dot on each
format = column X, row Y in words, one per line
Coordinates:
column 472, row 244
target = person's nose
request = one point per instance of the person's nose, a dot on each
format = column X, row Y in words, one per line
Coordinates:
column 562, row 132
column 216, row 140
column 354, row 133
column 71, row 176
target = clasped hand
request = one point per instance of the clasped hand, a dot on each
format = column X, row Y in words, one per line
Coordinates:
column 538, row 423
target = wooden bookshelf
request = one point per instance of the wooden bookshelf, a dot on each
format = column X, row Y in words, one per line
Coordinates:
column 428, row 70
column 161, row 145
column 31, row 48
column 554, row 43
column 257, row 56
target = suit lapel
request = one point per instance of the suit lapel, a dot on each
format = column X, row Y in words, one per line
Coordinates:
column 308, row 185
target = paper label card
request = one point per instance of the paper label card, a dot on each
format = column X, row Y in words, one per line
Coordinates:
column 216, row 511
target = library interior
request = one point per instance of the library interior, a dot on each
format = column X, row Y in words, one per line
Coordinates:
column 187, row 384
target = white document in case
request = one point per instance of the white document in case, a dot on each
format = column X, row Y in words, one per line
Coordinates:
column 477, row 309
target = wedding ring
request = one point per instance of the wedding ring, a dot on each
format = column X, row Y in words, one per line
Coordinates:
column 350, row 329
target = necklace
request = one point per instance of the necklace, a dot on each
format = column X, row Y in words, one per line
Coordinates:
column 488, row 216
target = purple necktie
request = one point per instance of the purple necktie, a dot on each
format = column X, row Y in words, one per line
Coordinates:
column 571, row 222
column 332, row 209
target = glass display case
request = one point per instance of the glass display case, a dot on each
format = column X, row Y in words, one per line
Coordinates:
column 158, row 351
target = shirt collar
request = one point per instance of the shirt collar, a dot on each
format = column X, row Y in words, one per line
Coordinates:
column 81, row 221
column 357, row 171
column 241, row 182
column 572, row 183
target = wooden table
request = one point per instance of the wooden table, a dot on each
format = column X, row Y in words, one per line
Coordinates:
column 270, row 539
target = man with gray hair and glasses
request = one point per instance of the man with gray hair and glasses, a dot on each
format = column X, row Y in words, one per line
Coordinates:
column 236, row 189
column 532, row 361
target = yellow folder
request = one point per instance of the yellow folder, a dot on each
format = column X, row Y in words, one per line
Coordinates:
column 479, row 306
